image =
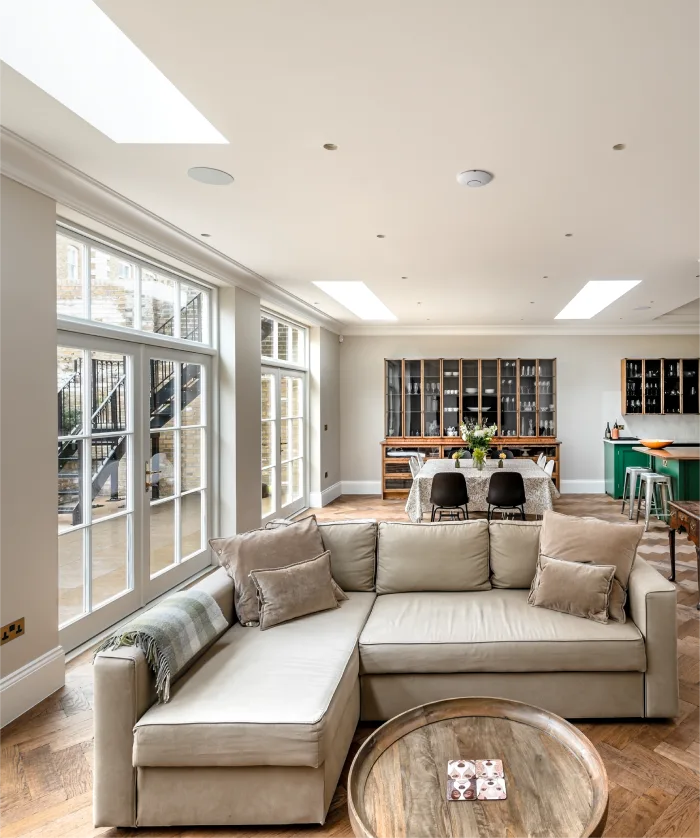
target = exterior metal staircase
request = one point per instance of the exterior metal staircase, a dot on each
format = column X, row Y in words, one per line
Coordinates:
column 108, row 418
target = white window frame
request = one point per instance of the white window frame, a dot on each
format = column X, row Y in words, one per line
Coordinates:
column 77, row 332
column 126, row 256
column 272, row 365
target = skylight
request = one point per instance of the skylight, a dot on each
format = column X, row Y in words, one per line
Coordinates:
column 75, row 53
column 358, row 299
column 594, row 297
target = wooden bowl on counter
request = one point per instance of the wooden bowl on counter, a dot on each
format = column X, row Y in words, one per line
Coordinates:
column 656, row 443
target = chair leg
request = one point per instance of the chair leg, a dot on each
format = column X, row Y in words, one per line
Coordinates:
column 488, row 514
column 432, row 515
column 522, row 512
column 624, row 492
column 648, row 499
column 632, row 489
column 466, row 512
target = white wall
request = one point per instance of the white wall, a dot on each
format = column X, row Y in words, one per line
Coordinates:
column 31, row 666
column 239, row 411
column 588, row 382
column 324, row 419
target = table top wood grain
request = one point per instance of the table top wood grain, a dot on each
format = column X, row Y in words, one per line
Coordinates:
column 690, row 507
column 678, row 453
column 555, row 780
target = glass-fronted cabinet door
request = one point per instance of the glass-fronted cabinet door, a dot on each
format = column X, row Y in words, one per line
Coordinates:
column 546, row 397
column 672, row 385
column 413, row 384
column 634, row 371
column 431, row 398
column 509, row 397
column 450, row 398
column 690, row 385
column 528, row 397
column 394, row 398
column 489, row 392
column 652, row 386
column 470, row 391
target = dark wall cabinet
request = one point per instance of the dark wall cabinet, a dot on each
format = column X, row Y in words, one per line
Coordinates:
column 660, row 385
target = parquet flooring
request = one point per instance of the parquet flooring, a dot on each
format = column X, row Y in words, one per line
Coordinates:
column 653, row 766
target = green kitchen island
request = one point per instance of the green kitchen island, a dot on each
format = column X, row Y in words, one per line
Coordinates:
column 620, row 453
column 681, row 464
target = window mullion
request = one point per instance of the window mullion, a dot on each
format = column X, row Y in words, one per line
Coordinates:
column 137, row 297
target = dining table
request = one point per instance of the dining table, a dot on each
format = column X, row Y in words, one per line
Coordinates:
column 540, row 491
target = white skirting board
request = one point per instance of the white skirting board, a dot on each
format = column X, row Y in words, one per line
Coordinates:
column 32, row 683
column 583, row 487
column 362, row 487
column 317, row 500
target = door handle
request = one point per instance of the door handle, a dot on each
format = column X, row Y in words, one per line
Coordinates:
column 148, row 473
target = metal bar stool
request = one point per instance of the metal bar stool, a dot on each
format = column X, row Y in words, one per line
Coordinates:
column 651, row 482
column 629, row 489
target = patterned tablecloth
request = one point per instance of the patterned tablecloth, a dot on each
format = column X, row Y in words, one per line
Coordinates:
column 539, row 489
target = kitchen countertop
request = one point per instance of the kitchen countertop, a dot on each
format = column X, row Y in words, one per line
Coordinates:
column 624, row 441
column 671, row 453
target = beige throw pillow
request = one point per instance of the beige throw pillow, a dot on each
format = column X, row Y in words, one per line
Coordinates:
column 513, row 550
column 260, row 549
column 592, row 541
column 285, row 593
column 582, row 590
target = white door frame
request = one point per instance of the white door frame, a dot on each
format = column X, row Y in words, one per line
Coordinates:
column 177, row 573
column 302, row 502
column 141, row 588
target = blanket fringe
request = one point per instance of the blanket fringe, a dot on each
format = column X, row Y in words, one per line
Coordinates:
column 154, row 657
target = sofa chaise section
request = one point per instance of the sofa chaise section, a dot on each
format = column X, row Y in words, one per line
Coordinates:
column 260, row 709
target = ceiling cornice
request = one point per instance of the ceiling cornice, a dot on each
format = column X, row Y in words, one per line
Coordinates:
column 542, row 331
column 37, row 169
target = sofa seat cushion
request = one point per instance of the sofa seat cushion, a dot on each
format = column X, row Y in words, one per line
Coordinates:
column 260, row 697
column 490, row 631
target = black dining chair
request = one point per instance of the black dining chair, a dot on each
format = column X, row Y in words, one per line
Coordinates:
column 449, row 493
column 506, row 491
column 509, row 454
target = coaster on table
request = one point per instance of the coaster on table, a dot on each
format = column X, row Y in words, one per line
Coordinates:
column 461, row 789
column 460, row 769
column 491, row 789
column 487, row 769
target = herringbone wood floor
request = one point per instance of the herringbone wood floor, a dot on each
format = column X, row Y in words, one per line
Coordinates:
column 652, row 766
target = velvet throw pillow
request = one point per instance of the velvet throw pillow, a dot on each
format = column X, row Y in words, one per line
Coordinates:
column 302, row 588
column 592, row 541
column 582, row 590
column 261, row 549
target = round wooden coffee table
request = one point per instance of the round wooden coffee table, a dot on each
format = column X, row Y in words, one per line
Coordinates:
column 555, row 779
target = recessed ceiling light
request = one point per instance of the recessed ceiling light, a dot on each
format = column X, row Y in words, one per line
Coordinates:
column 404, row 277
column 594, row 297
column 381, row 236
column 568, row 235
column 641, row 308
column 358, row 299
column 532, row 302
column 205, row 235
column 474, row 178
column 619, row 147
column 212, row 177
column 545, row 277
column 330, row 146
column 79, row 56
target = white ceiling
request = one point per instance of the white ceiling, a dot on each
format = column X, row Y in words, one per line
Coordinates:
column 413, row 92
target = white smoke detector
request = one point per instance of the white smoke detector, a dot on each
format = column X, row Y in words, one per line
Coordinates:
column 474, row 177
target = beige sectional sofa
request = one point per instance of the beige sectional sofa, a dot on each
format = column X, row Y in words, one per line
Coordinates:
column 258, row 729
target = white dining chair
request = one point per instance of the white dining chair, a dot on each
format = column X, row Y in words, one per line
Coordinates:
column 541, row 460
column 549, row 468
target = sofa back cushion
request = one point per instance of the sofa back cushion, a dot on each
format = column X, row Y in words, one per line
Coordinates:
column 353, row 547
column 513, row 550
column 433, row 557
column 263, row 549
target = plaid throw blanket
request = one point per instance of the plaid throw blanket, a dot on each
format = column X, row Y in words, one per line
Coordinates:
column 170, row 634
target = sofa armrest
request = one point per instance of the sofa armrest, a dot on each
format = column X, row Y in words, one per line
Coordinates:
column 219, row 585
column 652, row 603
column 124, row 690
